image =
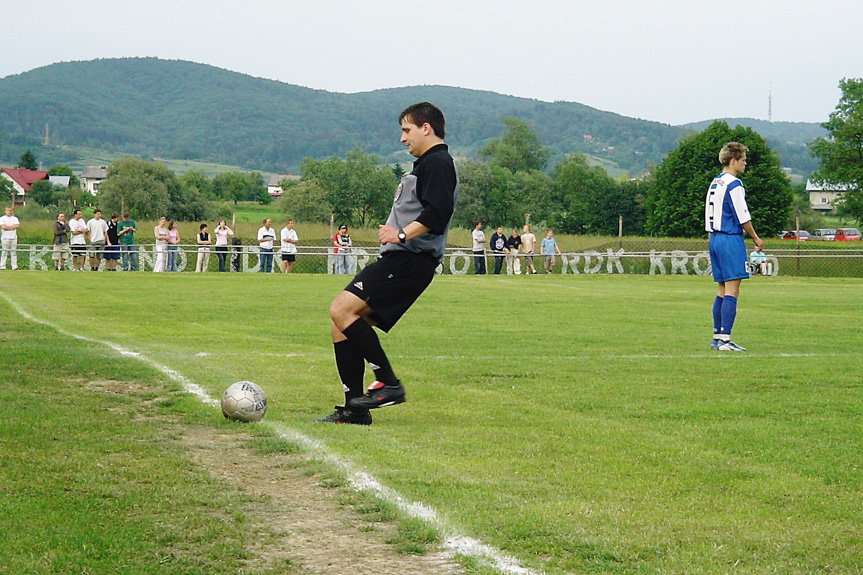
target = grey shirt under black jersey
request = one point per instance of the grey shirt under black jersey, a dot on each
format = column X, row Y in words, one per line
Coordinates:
column 408, row 206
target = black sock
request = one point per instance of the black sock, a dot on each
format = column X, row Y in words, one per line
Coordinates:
column 351, row 367
column 363, row 336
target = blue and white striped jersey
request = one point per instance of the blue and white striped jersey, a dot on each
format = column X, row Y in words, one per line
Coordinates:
column 725, row 209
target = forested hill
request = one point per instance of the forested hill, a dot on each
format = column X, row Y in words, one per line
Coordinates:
column 184, row 110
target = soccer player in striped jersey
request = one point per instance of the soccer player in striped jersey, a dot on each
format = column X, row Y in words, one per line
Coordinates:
column 726, row 217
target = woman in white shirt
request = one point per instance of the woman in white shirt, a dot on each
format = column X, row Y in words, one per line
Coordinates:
column 161, row 234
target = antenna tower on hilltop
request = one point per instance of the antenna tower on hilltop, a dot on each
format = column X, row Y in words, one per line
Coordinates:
column 770, row 104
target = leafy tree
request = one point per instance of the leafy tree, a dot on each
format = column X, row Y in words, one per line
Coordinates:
column 841, row 153
column 578, row 190
column 28, row 161
column 518, row 149
column 304, row 200
column 611, row 202
column 65, row 171
column 487, row 193
column 675, row 202
column 198, row 180
column 398, row 171
column 241, row 187
column 7, row 192
column 149, row 190
column 47, row 194
column 358, row 189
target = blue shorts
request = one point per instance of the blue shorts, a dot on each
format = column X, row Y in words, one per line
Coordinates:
column 727, row 257
column 112, row 252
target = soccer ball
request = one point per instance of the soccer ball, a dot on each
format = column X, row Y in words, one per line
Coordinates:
column 244, row 401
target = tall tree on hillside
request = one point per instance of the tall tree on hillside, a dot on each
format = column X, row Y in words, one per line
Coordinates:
column 518, row 149
column 841, row 153
column 675, row 201
column 28, row 161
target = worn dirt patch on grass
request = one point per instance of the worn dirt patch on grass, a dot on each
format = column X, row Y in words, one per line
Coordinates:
column 311, row 526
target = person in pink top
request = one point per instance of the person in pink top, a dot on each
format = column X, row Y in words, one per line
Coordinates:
column 222, row 232
column 173, row 248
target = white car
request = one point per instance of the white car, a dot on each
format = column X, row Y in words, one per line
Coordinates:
column 823, row 234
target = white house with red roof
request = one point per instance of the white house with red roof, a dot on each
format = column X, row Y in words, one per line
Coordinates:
column 21, row 180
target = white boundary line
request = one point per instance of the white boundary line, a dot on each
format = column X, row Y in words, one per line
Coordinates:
column 454, row 543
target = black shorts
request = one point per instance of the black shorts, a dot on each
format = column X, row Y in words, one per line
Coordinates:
column 392, row 284
column 289, row 257
column 78, row 249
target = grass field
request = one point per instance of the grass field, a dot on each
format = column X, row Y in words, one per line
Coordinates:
column 578, row 423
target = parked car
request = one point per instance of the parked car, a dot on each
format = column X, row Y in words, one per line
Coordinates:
column 846, row 234
column 793, row 235
column 823, row 234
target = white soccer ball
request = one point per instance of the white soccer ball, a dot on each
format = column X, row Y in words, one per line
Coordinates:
column 244, row 401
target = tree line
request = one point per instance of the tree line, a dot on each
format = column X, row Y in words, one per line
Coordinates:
column 508, row 181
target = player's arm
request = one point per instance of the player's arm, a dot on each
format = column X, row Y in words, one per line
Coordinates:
column 390, row 235
column 747, row 227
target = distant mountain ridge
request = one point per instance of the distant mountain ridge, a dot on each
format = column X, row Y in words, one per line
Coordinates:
column 184, row 110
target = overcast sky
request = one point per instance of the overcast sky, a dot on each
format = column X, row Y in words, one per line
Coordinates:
column 665, row 60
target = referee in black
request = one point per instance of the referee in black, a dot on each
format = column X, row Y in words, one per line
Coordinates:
column 412, row 246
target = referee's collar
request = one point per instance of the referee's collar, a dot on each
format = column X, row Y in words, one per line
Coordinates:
column 433, row 150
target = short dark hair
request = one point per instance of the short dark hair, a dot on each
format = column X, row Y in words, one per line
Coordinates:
column 425, row 113
column 203, row 226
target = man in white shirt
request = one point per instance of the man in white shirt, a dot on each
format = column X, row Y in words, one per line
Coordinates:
column 478, row 238
column 9, row 238
column 78, row 243
column 97, row 228
column 528, row 243
column 289, row 246
column 266, row 238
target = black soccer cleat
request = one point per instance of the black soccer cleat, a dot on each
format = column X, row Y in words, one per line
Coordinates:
column 344, row 415
column 379, row 395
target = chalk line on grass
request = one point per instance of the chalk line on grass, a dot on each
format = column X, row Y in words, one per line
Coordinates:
column 454, row 543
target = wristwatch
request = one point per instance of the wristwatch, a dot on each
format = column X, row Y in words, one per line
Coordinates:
column 402, row 236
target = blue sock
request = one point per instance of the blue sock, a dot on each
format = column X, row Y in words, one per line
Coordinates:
column 717, row 315
column 729, row 312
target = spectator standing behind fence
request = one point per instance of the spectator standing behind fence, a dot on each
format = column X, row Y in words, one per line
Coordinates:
column 222, row 232
column 497, row 244
column 289, row 246
column 78, row 242
column 204, row 241
column 96, row 229
column 173, row 246
column 112, row 244
column 513, row 245
column 160, row 247
column 549, row 249
column 9, row 225
column 342, row 244
column 61, row 251
column 528, row 243
column 266, row 241
column 126, row 231
column 478, row 248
